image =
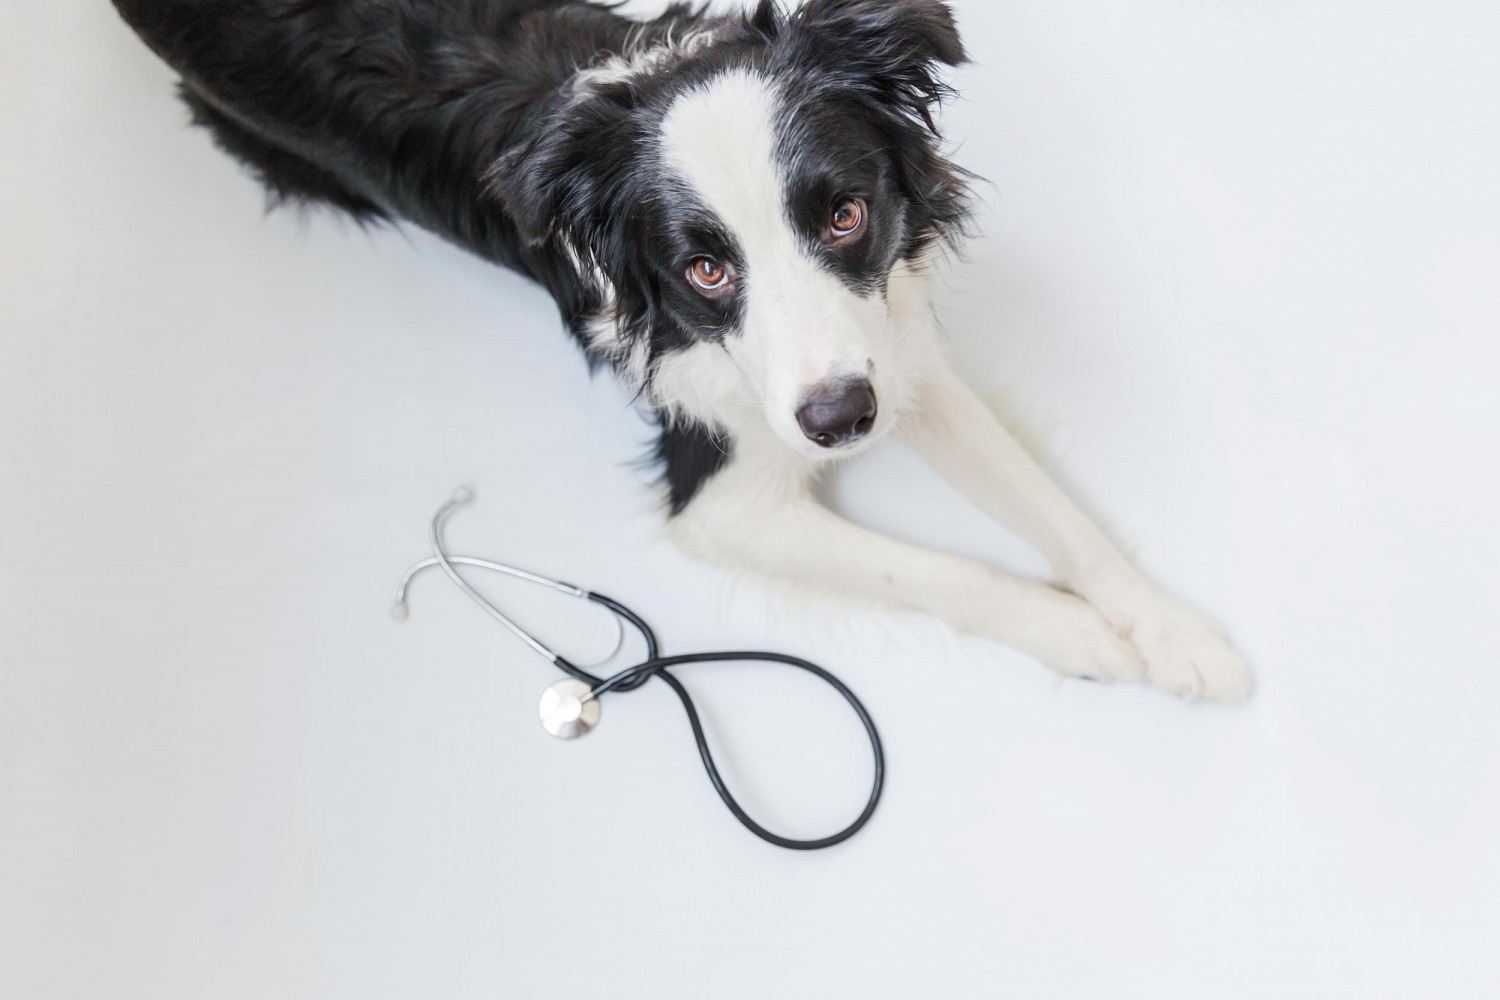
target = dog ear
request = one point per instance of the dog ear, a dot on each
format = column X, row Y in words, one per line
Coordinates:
column 518, row 182
column 554, row 182
column 892, row 45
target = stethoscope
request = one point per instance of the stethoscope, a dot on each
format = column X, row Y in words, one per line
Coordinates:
column 570, row 708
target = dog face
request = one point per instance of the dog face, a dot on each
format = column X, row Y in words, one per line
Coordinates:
column 738, row 212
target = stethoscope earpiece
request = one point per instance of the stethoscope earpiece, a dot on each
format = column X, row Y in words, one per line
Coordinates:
column 570, row 708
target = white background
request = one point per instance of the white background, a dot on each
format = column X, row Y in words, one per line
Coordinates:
column 1240, row 284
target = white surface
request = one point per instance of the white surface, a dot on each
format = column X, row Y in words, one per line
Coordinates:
column 1243, row 283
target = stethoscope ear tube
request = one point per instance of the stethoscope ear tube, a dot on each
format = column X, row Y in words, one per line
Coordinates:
column 631, row 678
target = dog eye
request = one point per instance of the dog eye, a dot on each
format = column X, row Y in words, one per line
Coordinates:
column 847, row 219
column 708, row 276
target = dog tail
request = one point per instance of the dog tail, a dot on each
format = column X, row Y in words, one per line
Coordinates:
column 287, row 177
column 190, row 36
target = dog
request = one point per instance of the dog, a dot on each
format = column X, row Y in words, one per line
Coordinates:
column 738, row 214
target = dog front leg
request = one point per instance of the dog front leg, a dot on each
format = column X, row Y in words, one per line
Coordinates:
column 959, row 436
column 738, row 523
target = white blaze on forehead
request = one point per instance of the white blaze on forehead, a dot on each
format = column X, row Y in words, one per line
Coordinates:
column 721, row 140
column 801, row 325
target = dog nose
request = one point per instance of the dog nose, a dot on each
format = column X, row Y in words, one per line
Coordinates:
column 838, row 413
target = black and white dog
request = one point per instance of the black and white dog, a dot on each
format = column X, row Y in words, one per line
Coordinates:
column 738, row 214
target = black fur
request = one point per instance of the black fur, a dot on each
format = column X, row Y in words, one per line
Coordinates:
column 689, row 454
column 459, row 116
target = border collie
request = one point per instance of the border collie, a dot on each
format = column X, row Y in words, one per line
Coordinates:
column 738, row 214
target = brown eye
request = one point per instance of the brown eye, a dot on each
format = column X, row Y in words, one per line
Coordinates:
column 708, row 275
column 848, row 218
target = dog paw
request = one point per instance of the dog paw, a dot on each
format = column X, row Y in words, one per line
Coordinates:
column 1185, row 653
column 1070, row 636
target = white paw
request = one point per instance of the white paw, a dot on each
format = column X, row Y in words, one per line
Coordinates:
column 1072, row 637
column 1184, row 652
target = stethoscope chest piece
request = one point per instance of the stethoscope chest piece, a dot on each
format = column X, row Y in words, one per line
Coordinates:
column 569, row 709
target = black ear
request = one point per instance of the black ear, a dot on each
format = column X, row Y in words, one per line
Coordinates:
column 895, row 45
column 522, row 183
column 559, row 178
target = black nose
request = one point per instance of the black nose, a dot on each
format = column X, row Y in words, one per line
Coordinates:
column 838, row 412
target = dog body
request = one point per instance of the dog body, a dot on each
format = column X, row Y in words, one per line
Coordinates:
column 737, row 214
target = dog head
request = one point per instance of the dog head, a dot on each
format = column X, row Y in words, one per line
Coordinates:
column 735, row 199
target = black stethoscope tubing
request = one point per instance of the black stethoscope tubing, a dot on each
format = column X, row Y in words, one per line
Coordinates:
column 656, row 665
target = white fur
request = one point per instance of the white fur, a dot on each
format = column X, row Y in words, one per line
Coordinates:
column 639, row 58
column 803, row 326
column 586, row 266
